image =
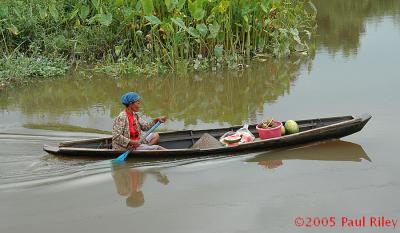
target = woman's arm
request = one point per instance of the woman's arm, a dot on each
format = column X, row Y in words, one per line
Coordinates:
column 145, row 126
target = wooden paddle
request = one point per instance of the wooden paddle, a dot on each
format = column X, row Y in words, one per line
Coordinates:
column 123, row 156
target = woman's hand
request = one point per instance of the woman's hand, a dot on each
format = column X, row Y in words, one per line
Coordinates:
column 134, row 143
column 161, row 119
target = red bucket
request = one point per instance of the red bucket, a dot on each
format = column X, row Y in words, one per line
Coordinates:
column 270, row 132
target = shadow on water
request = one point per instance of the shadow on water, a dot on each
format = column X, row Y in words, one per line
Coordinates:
column 333, row 150
column 129, row 177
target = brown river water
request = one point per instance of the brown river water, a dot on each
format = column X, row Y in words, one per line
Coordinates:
column 322, row 187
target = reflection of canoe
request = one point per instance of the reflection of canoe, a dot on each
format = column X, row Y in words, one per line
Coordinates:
column 179, row 142
column 335, row 150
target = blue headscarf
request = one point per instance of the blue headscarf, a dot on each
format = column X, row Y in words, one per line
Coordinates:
column 129, row 97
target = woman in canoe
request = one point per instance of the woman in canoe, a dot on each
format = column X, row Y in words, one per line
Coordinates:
column 128, row 126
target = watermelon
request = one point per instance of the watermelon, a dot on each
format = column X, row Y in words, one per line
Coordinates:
column 246, row 138
column 233, row 144
column 232, row 138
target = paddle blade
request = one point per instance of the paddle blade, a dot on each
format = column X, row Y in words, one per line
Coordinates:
column 122, row 157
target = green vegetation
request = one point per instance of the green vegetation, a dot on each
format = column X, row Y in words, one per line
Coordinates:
column 11, row 68
column 148, row 36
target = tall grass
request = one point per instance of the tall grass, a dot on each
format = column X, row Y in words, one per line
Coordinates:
column 173, row 34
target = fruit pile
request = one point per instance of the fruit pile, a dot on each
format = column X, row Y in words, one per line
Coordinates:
column 290, row 126
column 241, row 136
column 268, row 123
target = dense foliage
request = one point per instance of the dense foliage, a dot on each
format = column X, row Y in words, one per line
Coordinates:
column 159, row 35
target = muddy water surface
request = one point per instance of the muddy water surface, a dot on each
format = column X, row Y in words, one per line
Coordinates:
column 354, row 70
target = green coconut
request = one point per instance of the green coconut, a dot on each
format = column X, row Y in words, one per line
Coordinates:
column 291, row 127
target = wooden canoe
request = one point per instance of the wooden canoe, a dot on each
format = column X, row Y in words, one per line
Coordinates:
column 179, row 143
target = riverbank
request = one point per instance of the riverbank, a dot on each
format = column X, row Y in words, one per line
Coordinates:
column 148, row 37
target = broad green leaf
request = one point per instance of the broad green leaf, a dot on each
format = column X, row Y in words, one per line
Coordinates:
column 77, row 22
column 196, row 9
column 223, row 6
column 247, row 9
column 221, row 36
column 43, row 12
column 153, row 20
column 246, row 19
column 214, row 29
column 54, row 12
column 59, row 41
column 202, row 28
column 96, row 4
column 179, row 37
column 264, row 6
column 103, row 19
column 193, row 32
column 167, row 26
column 171, row 4
column 128, row 13
column 3, row 11
column 218, row 50
column 14, row 30
column 16, row 11
column 147, row 6
column 179, row 22
column 118, row 3
column 138, row 6
column 180, row 4
column 84, row 12
column 118, row 49
column 192, row 7
column 73, row 14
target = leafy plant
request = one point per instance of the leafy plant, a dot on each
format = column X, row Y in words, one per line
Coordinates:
column 156, row 32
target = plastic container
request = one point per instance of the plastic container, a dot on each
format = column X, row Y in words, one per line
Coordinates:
column 270, row 132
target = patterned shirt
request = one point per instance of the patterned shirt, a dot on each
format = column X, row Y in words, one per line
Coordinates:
column 120, row 130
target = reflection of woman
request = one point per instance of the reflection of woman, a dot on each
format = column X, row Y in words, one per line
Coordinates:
column 129, row 181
